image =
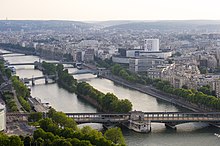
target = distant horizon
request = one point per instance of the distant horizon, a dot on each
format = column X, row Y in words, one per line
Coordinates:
column 107, row 10
column 89, row 21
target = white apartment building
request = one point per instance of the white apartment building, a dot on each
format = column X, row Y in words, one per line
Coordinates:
column 151, row 45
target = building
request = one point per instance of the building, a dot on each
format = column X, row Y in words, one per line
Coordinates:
column 120, row 60
column 151, row 45
column 156, row 72
column 2, row 117
column 159, row 54
column 89, row 55
column 143, row 64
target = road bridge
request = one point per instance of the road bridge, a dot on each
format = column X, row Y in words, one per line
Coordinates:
column 158, row 117
column 55, row 77
column 36, row 62
column 1, row 53
column 45, row 77
column 136, row 120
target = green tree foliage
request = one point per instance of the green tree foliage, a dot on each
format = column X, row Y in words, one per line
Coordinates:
column 89, row 131
column 109, row 102
column 115, row 135
column 52, row 132
column 207, row 90
column 8, row 97
column 24, row 103
column 35, row 116
column 61, row 120
column 49, row 68
column 201, row 97
column 10, row 140
column 107, row 63
column 22, row 92
column 66, row 80
column 118, row 70
column 5, row 71
column 20, row 88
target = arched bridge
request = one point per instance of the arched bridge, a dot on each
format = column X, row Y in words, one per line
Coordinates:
column 55, row 77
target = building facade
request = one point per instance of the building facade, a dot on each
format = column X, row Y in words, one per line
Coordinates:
column 2, row 117
column 151, row 45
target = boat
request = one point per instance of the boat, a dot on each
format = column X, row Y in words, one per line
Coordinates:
column 216, row 134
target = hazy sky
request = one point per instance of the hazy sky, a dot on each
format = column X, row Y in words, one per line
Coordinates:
column 109, row 9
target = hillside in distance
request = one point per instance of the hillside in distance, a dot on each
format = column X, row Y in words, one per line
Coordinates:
column 139, row 25
column 27, row 25
column 167, row 25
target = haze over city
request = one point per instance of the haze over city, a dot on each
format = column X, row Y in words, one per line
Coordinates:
column 101, row 10
column 100, row 72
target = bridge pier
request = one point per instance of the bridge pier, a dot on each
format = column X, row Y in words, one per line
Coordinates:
column 170, row 126
column 33, row 81
column 46, row 79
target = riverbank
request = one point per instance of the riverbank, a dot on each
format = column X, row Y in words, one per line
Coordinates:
column 158, row 94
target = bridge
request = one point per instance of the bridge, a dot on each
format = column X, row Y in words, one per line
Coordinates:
column 55, row 77
column 158, row 117
column 1, row 53
column 138, row 118
column 16, row 64
column 36, row 62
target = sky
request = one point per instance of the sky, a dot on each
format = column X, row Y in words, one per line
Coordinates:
column 102, row 10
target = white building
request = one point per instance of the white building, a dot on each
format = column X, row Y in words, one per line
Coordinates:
column 151, row 45
column 158, row 54
column 143, row 64
column 2, row 117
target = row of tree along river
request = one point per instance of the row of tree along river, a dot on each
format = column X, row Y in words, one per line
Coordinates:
column 62, row 100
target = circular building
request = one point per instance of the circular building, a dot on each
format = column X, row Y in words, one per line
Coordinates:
column 2, row 117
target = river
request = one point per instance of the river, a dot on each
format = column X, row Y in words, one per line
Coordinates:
column 190, row 134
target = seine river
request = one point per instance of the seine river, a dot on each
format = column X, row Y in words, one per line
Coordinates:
column 190, row 134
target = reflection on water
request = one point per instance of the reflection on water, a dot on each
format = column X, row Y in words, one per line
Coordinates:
column 189, row 134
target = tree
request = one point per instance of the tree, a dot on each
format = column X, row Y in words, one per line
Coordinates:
column 15, row 141
column 185, row 87
column 35, row 116
column 115, row 135
column 27, row 141
column 89, row 131
column 39, row 141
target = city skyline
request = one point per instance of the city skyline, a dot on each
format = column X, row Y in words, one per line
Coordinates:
column 102, row 10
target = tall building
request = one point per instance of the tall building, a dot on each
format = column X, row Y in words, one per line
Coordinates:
column 151, row 45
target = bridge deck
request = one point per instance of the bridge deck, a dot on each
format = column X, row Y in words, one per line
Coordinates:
column 161, row 117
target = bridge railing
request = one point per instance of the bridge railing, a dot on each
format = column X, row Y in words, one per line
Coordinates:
column 99, row 118
column 182, row 116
